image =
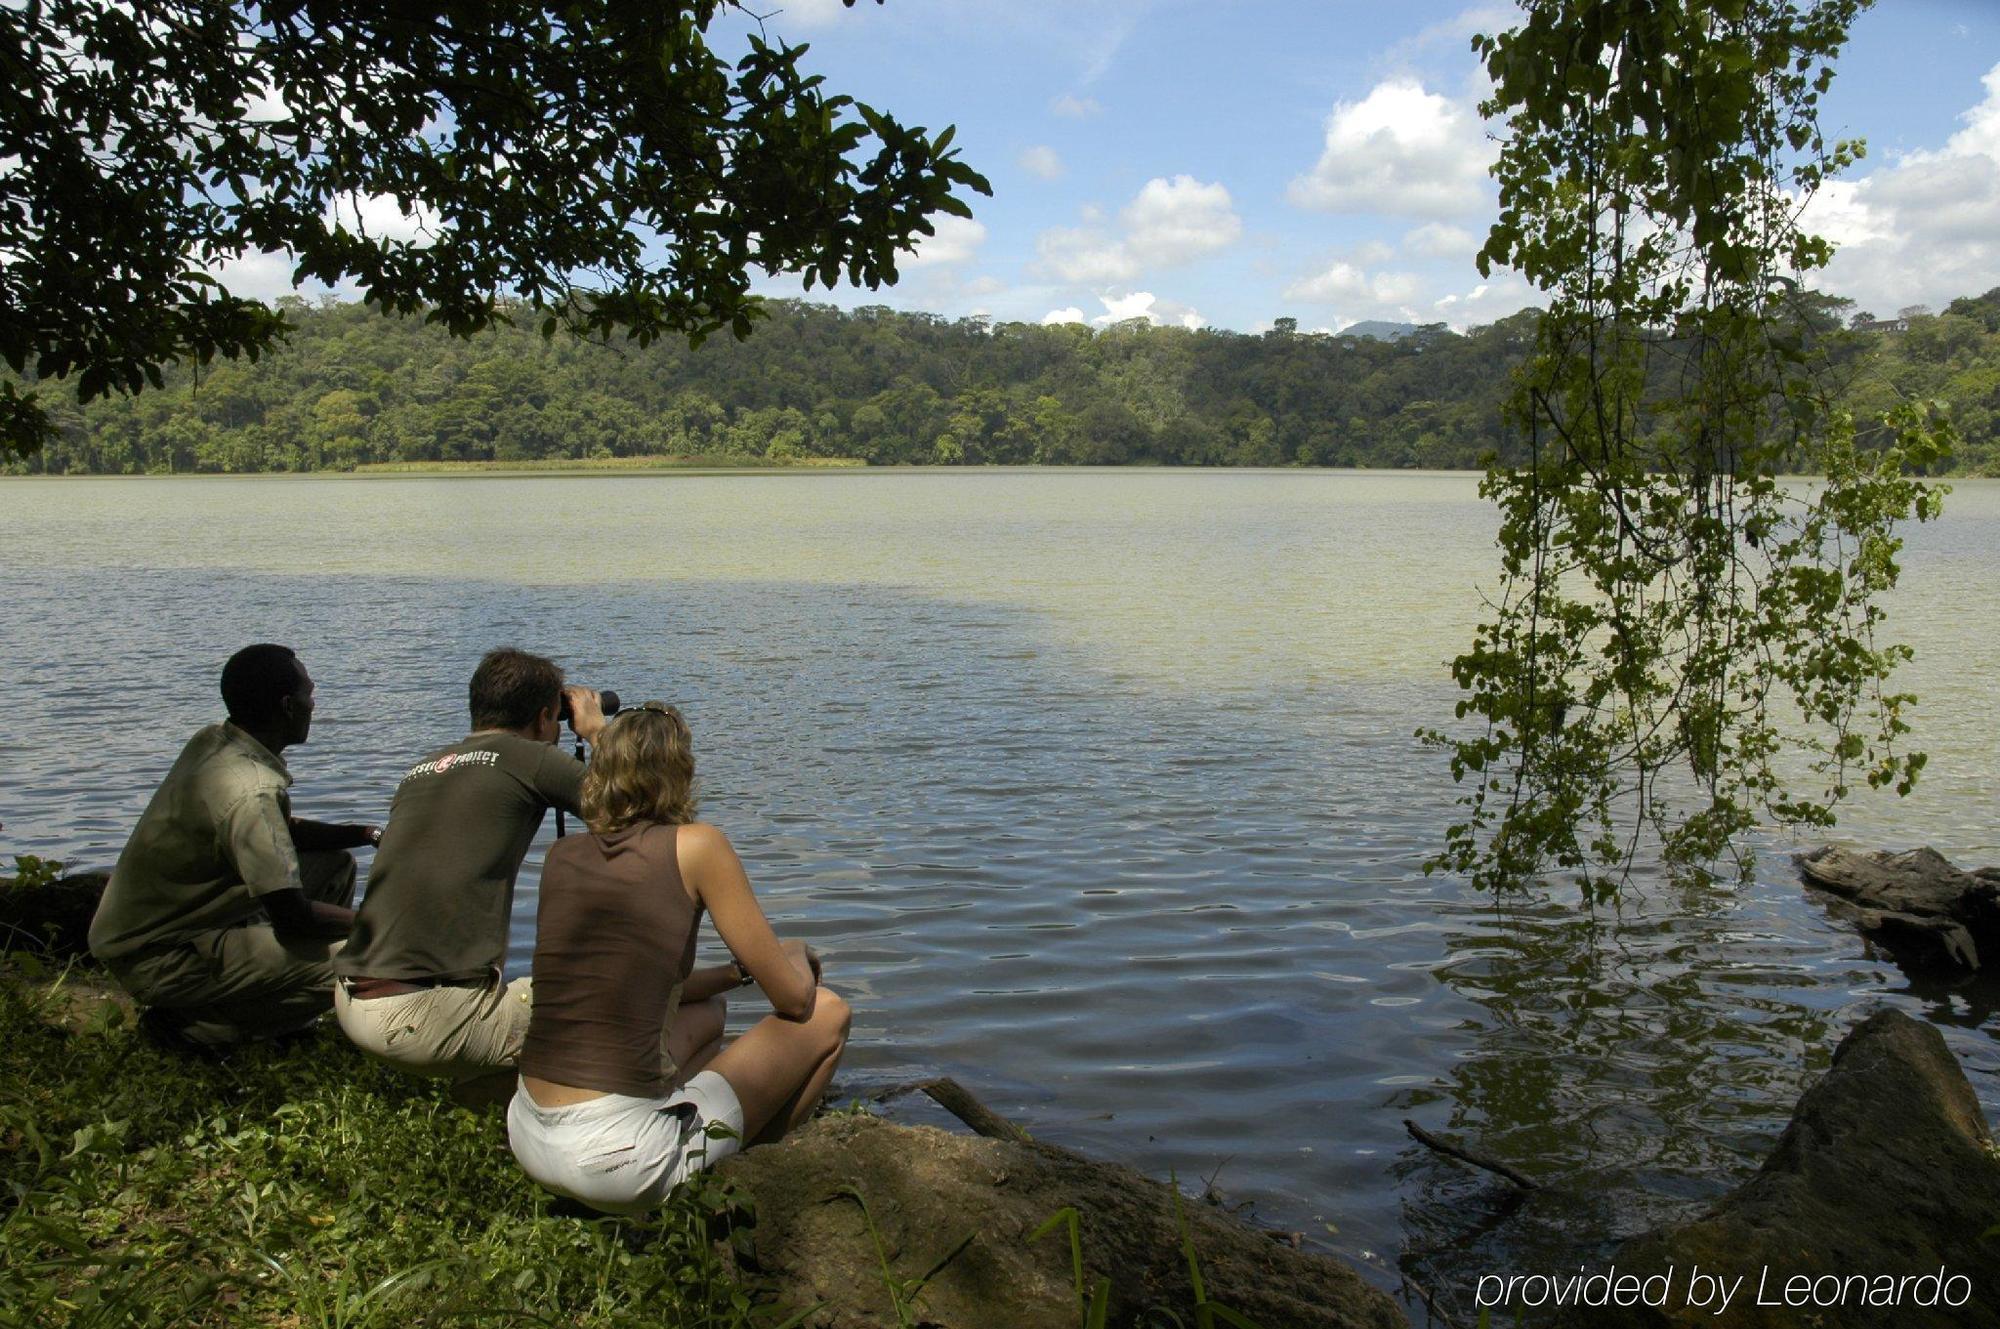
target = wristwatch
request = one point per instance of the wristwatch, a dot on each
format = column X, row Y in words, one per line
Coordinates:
column 743, row 977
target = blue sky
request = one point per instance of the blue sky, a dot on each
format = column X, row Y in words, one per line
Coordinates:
column 1224, row 163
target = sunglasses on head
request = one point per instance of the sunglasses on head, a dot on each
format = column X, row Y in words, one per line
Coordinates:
column 652, row 707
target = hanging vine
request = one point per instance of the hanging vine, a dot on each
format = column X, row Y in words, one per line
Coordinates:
column 1684, row 642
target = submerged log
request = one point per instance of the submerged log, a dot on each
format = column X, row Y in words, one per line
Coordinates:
column 956, row 1099
column 971, row 1204
column 1887, row 1174
column 1464, row 1155
column 1927, row 914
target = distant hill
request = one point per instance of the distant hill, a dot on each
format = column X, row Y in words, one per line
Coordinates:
column 351, row 388
column 1379, row 330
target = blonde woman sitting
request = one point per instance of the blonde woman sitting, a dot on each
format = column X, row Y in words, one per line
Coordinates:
column 601, row 1115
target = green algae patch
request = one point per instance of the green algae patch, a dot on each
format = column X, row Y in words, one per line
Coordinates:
column 723, row 461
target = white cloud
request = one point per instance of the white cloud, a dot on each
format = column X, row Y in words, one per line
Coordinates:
column 1084, row 255
column 1453, row 32
column 1923, row 229
column 988, row 285
column 1487, row 302
column 380, row 217
column 1399, row 150
column 266, row 106
column 1437, row 240
column 956, row 239
column 1342, row 283
column 1074, row 108
column 1118, row 308
column 257, row 276
column 1041, row 162
column 1070, row 315
column 807, row 13
column 1179, row 220
column 1167, row 223
column 1144, row 304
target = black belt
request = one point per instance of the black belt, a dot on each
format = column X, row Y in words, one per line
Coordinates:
column 367, row 989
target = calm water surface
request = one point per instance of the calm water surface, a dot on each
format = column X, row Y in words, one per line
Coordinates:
column 1098, row 789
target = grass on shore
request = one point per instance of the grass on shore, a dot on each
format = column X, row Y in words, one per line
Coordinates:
column 721, row 461
column 303, row 1187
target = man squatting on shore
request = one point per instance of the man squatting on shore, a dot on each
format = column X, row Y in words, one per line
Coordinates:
column 224, row 910
column 226, row 917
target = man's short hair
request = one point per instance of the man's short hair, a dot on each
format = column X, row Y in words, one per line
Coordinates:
column 257, row 680
column 510, row 688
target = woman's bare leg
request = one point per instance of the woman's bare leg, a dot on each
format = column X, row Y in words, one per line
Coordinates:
column 779, row 1067
column 694, row 1037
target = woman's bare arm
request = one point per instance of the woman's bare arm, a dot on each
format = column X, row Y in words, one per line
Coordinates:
column 715, row 875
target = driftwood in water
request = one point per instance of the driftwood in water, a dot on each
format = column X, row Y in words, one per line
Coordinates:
column 1926, row 913
column 956, row 1099
column 1464, row 1155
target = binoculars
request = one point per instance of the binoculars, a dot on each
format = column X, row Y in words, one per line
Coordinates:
column 607, row 701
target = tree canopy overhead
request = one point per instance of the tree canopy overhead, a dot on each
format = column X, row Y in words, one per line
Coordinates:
column 1683, row 643
column 599, row 163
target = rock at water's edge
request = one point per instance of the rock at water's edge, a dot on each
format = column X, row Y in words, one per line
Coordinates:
column 1886, row 1168
column 1926, row 913
column 927, row 1189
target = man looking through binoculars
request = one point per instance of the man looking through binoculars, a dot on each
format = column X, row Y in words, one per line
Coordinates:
column 421, row 982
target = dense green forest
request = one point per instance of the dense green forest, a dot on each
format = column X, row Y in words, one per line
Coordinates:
column 352, row 387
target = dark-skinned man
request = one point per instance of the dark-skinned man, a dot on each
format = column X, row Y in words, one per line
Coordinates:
column 224, row 911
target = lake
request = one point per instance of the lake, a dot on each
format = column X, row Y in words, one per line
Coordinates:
column 1097, row 788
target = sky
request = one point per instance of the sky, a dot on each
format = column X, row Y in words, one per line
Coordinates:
column 1228, row 162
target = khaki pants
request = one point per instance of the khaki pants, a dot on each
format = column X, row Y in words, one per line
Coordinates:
column 244, row 982
column 454, row 1033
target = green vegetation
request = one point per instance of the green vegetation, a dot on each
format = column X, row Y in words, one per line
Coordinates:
column 1679, row 634
column 1952, row 358
column 602, row 163
column 301, row 1187
column 351, row 389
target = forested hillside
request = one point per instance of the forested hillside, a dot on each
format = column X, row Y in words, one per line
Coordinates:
column 353, row 387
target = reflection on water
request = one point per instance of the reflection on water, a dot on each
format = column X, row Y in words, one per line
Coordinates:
column 1098, row 789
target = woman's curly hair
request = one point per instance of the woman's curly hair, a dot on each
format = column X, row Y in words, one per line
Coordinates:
column 641, row 769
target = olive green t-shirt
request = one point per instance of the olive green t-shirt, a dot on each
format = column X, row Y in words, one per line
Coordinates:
column 214, row 839
column 442, row 888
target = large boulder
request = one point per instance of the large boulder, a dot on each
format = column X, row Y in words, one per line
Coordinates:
column 1929, row 915
column 925, row 1191
column 1885, row 1177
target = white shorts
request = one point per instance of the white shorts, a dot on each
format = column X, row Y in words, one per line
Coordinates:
column 620, row 1154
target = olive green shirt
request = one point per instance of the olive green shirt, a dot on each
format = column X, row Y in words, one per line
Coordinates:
column 213, row 841
column 442, row 889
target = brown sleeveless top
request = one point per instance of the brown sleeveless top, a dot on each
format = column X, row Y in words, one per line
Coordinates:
column 614, row 938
